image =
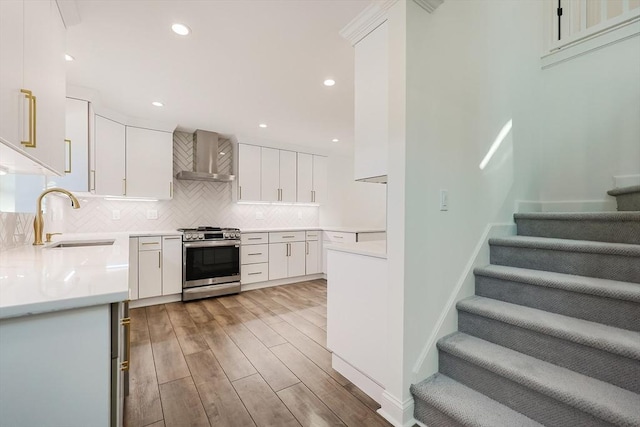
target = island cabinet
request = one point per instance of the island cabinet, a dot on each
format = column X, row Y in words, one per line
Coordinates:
column 64, row 368
column 32, row 79
column 287, row 254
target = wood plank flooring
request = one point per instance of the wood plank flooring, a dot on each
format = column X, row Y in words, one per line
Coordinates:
column 258, row 358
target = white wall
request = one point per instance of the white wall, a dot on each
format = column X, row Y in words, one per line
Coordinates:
column 590, row 124
column 352, row 203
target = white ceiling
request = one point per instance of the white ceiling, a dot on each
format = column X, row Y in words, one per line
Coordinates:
column 246, row 62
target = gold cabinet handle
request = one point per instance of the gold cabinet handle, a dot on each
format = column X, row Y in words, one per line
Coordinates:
column 126, row 322
column 68, row 142
column 31, row 143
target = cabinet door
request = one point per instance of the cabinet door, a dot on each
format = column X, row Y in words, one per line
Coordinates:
column 305, row 177
column 297, row 259
column 133, row 268
column 44, row 75
column 110, row 157
column 149, row 274
column 248, row 172
column 278, row 260
column 270, row 174
column 11, row 100
column 149, row 178
column 319, row 179
column 171, row 265
column 312, row 257
column 76, row 177
column 287, row 175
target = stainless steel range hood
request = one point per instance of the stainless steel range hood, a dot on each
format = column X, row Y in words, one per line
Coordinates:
column 206, row 152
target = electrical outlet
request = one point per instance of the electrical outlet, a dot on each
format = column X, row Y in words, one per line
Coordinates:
column 115, row 214
column 152, row 214
column 259, row 215
column 444, row 200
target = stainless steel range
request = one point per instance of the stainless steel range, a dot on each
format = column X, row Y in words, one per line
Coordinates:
column 210, row 262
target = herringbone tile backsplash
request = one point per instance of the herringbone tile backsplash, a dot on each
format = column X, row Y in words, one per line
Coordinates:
column 194, row 203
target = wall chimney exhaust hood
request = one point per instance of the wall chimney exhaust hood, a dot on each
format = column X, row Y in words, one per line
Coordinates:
column 206, row 152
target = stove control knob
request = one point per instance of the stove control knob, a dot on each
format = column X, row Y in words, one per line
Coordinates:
column 236, row 235
column 201, row 236
column 226, row 235
column 187, row 236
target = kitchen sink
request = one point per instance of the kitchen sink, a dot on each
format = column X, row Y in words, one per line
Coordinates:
column 81, row 243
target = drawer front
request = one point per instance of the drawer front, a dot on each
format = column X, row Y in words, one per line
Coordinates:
column 150, row 243
column 254, row 254
column 338, row 237
column 313, row 235
column 253, row 273
column 284, row 237
column 254, row 238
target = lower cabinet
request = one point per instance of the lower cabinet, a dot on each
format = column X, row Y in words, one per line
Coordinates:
column 313, row 253
column 157, row 260
column 286, row 260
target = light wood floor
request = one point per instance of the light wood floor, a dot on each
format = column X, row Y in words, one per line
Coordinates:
column 254, row 359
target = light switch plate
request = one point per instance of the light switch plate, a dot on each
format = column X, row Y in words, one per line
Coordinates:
column 115, row 214
column 152, row 214
column 444, row 200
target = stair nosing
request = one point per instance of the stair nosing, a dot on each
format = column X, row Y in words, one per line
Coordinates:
column 631, row 189
column 563, row 281
column 562, row 329
column 613, row 216
column 557, row 385
column 568, row 245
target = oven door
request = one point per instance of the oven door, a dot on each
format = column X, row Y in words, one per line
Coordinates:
column 210, row 263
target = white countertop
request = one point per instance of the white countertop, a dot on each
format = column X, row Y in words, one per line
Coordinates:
column 39, row 279
column 374, row 248
column 319, row 228
column 154, row 233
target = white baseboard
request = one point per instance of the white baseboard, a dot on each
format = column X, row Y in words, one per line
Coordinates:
column 164, row 299
column 362, row 381
column 287, row 281
column 398, row 413
column 530, row 206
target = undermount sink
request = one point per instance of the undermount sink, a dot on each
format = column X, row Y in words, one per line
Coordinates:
column 81, row 243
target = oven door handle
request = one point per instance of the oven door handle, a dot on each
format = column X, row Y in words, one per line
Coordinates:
column 211, row 243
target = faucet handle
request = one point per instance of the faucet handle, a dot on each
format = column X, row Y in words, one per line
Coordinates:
column 49, row 235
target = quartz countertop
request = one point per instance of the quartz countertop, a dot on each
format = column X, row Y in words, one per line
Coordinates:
column 315, row 228
column 374, row 248
column 40, row 279
column 154, row 233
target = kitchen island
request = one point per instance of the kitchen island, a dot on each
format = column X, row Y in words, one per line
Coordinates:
column 61, row 340
column 357, row 313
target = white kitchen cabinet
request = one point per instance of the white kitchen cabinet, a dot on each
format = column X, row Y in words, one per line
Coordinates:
column 32, row 45
column 76, row 171
column 110, row 173
column 312, row 257
column 371, row 106
column 149, row 274
column 133, row 268
column 312, row 178
column 254, row 258
column 278, row 175
column 171, row 265
column 146, row 178
column 249, row 161
column 287, row 254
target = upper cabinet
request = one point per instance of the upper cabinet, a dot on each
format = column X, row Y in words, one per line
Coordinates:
column 371, row 106
column 108, row 174
column 312, row 178
column 278, row 175
column 146, row 178
column 76, row 171
column 273, row 175
column 32, row 80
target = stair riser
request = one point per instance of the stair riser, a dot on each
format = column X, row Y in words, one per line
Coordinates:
column 537, row 406
column 628, row 202
column 424, row 411
column 619, row 313
column 586, row 360
column 600, row 231
column 601, row 265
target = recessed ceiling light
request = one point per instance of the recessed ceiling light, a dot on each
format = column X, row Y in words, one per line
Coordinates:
column 180, row 29
column 335, row 140
column 329, row 82
column 68, row 57
column 262, row 125
column 157, row 104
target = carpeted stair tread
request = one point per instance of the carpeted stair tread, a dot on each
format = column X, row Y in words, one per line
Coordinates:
column 581, row 216
column 467, row 406
column 584, row 246
column 607, row 338
column 624, row 190
column 614, row 289
column 597, row 398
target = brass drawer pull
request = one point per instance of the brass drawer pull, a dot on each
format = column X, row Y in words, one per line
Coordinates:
column 31, row 143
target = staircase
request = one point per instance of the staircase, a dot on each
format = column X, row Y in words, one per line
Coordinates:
column 552, row 336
